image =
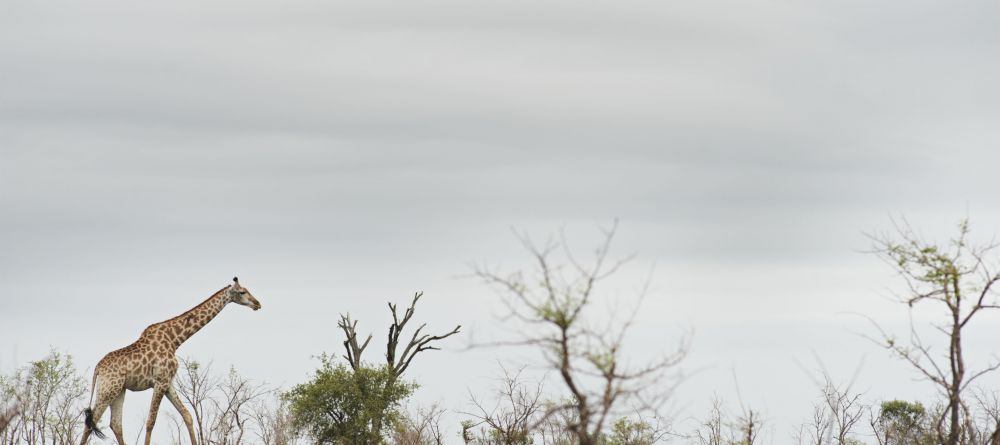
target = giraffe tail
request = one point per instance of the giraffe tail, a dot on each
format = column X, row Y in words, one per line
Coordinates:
column 88, row 420
column 88, row 413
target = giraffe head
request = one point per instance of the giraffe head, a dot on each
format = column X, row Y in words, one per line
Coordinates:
column 241, row 295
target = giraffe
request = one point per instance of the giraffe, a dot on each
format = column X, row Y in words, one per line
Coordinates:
column 150, row 363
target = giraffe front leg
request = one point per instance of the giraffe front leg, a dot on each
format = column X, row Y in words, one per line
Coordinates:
column 176, row 401
column 154, row 408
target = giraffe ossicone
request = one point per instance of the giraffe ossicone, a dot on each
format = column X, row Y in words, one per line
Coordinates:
column 150, row 362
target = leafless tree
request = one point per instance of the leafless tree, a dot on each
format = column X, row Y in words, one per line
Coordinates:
column 233, row 407
column 959, row 278
column 844, row 409
column 834, row 416
column 552, row 428
column 710, row 429
column 550, row 302
column 223, row 407
column 12, row 399
column 988, row 402
column 718, row 428
column 273, row 419
column 196, row 384
column 6, row 416
column 418, row 342
column 749, row 426
column 421, row 428
column 512, row 416
column 817, row 429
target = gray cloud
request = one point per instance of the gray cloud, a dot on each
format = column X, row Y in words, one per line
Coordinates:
column 340, row 154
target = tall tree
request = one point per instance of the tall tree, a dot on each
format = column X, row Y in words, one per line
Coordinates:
column 551, row 302
column 958, row 278
column 358, row 405
column 348, row 406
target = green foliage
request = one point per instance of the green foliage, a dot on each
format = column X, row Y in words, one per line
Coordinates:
column 902, row 423
column 341, row 406
column 49, row 395
column 629, row 432
column 902, row 412
column 932, row 264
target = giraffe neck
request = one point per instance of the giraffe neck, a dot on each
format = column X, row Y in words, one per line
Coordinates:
column 177, row 330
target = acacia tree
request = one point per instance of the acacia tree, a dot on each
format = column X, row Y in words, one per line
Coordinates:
column 360, row 404
column 550, row 302
column 344, row 406
column 900, row 422
column 958, row 278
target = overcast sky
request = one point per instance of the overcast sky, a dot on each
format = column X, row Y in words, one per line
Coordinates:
column 339, row 155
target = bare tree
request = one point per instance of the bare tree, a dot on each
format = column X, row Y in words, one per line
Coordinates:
column 988, row 429
column 6, row 416
column 417, row 344
column 718, row 428
column 834, row 416
column 513, row 414
column 844, row 409
column 550, row 302
column 421, row 428
column 749, row 426
column 223, row 407
column 273, row 419
column 195, row 385
column 552, row 428
column 817, row 429
column 12, row 399
column 958, row 278
column 233, row 408
column 710, row 429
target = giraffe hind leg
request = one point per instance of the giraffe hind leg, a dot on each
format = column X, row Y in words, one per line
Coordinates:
column 104, row 398
column 116, row 417
column 86, row 435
